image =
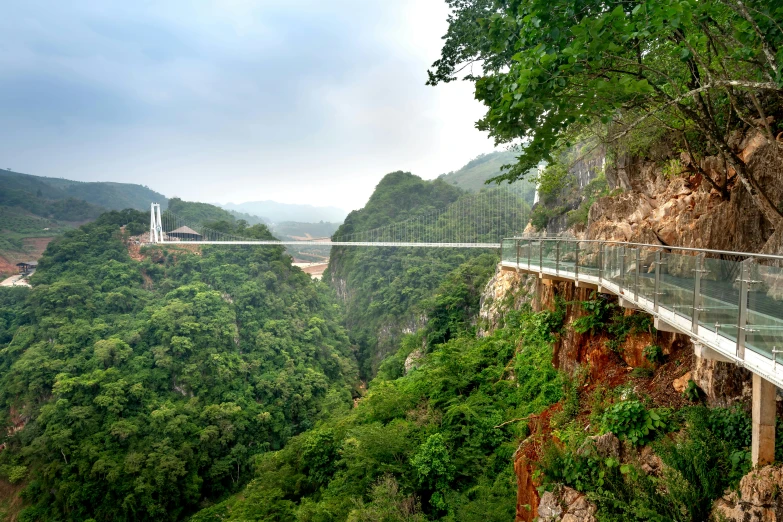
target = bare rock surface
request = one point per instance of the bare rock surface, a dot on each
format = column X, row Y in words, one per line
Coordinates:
column 412, row 360
column 565, row 505
column 681, row 208
column 681, row 383
column 724, row 384
column 606, row 445
column 759, row 498
column 504, row 285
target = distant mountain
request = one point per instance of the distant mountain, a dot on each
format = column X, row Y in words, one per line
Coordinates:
column 473, row 175
column 106, row 194
column 278, row 212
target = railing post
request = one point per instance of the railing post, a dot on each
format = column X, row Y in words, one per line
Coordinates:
column 529, row 252
column 516, row 245
column 622, row 269
column 576, row 261
column 540, row 255
column 600, row 261
column 656, row 297
column 636, row 275
column 697, row 292
column 557, row 257
column 742, row 320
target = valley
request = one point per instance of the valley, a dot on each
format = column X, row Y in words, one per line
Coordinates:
column 583, row 323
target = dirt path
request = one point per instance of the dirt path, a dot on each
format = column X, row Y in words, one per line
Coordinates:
column 14, row 281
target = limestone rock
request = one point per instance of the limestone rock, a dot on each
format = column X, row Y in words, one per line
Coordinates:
column 681, row 383
column 650, row 462
column 606, row 445
column 549, row 509
column 504, row 284
column 724, row 384
column 565, row 505
column 758, row 499
column 411, row 361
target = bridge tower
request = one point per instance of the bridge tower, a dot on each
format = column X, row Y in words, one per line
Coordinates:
column 156, row 229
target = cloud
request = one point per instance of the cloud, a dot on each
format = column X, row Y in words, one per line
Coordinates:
column 297, row 101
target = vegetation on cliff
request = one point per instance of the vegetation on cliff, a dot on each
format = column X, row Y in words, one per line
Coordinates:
column 700, row 70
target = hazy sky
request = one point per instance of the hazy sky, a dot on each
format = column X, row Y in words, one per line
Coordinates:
column 232, row 100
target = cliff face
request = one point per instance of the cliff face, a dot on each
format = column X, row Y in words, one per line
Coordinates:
column 667, row 203
column 675, row 205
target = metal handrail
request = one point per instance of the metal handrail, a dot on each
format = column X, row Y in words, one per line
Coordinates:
column 628, row 288
column 647, row 245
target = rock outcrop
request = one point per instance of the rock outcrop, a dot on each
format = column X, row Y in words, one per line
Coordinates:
column 565, row 505
column 759, row 498
column 677, row 206
column 506, row 290
column 723, row 384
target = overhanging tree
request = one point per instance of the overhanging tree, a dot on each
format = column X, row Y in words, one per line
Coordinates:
column 699, row 68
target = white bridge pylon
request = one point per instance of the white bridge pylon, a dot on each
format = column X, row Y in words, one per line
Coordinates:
column 472, row 221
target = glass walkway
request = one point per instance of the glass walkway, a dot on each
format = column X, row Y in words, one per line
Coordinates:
column 730, row 302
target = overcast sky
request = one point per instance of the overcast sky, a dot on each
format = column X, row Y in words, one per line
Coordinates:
column 232, row 100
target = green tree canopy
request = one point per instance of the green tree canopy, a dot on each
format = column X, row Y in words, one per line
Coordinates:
column 699, row 68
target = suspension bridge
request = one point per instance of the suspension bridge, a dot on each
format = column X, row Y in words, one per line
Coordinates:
column 730, row 304
column 472, row 221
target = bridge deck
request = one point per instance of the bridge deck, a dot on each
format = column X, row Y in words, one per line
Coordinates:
column 720, row 341
column 337, row 243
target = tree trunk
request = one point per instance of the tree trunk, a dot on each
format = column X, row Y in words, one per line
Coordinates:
column 768, row 209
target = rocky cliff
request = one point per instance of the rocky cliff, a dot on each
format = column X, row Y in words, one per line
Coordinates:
column 671, row 202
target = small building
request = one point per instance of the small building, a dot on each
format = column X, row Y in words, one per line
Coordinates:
column 26, row 268
column 185, row 233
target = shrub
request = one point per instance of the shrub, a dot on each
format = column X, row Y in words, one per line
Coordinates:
column 621, row 326
column 691, row 391
column 631, row 421
column 654, row 354
column 598, row 313
column 643, row 373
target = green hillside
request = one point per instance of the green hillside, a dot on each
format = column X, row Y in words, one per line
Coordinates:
column 110, row 195
column 148, row 386
column 198, row 213
column 27, row 215
column 383, row 287
column 476, row 172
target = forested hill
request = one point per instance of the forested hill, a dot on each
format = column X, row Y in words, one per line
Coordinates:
column 473, row 176
column 109, row 195
column 383, row 288
column 140, row 388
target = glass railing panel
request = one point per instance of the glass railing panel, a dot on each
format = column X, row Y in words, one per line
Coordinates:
column 589, row 258
column 647, row 273
column 719, row 297
column 629, row 271
column 677, row 283
column 535, row 254
column 549, row 254
column 764, row 330
column 614, row 271
column 523, row 251
column 508, row 251
column 567, row 256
